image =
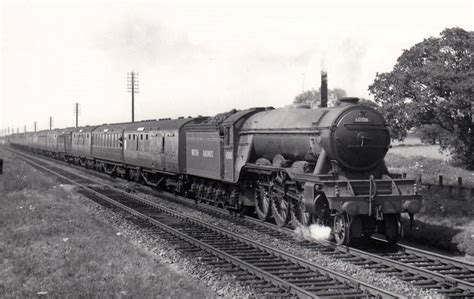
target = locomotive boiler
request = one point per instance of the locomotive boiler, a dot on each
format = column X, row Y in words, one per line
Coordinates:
column 355, row 136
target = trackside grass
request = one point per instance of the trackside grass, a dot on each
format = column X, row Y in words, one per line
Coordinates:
column 429, row 168
column 53, row 246
column 445, row 221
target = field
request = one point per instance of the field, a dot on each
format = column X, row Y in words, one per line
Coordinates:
column 56, row 243
column 412, row 157
column 445, row 221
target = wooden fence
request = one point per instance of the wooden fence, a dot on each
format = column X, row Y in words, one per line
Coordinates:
column 457, row 191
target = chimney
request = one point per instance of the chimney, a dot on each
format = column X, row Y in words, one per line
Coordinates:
column 324, row 88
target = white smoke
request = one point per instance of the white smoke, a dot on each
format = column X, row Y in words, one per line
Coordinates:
column 314, row 232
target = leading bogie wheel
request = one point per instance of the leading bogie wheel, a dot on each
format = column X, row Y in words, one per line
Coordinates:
column 341, row 229
column 393, row 228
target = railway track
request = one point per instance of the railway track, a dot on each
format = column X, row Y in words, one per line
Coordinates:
column 447, row 276
column 424, row 269
column 269, row 271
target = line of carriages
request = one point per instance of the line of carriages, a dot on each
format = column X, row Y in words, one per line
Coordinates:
column 135, row 149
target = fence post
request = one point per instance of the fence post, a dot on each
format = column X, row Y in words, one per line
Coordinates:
column 440, row 180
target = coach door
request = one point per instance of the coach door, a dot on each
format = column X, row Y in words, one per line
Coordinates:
column 67, row 142
column 154, row 150
column 159, row 150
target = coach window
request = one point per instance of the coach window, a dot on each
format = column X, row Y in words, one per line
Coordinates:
column 146, row 136
column 141, row 136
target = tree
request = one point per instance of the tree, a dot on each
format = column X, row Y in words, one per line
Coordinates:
column 369, row 103
column 313, row 97
column 431, row 83
column 309, row 97
column 433, row 134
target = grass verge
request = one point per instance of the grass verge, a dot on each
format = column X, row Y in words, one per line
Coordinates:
column 52, row 246
column 445, row 221
column 429, row 168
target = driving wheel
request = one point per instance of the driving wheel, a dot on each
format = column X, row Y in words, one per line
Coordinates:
column 262, row 203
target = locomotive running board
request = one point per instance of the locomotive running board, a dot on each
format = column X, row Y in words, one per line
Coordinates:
column 296, row 176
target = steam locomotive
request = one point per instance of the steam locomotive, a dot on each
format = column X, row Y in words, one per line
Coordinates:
column 293, row 166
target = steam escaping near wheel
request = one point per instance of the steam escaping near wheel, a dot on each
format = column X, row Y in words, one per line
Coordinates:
column 314, row 232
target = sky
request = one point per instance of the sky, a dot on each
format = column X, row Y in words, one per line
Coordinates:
column 197, row 57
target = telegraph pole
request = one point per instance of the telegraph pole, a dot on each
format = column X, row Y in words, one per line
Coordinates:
column 77, row 112
column 35, row 126
column 50, row 122
column 132, row 86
